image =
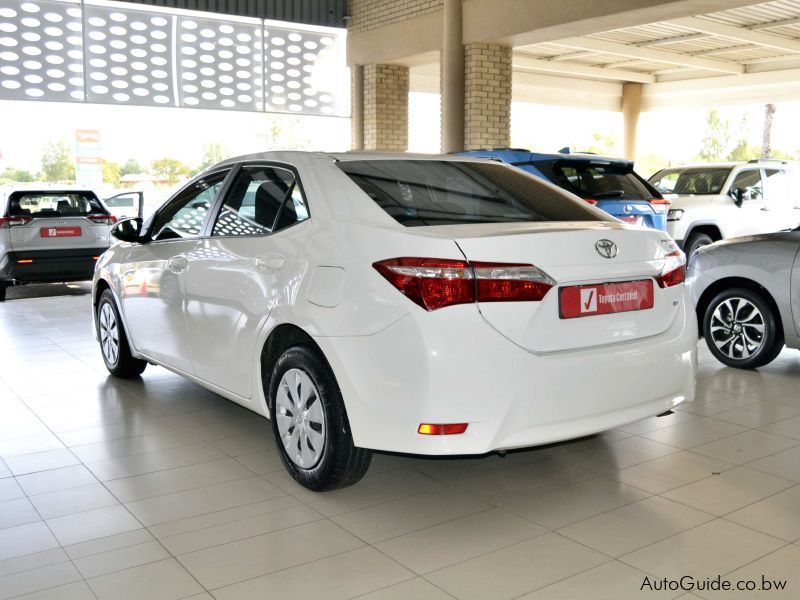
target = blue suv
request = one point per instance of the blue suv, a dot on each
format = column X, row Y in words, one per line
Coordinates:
column 611, row 184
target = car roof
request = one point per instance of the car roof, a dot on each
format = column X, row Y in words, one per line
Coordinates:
column 542, row 156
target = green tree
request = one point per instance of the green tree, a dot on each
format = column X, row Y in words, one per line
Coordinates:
column 57, row 162
column 604, row 143
column 132, row 166
column 213, row 152
column 169, row 169
column 717, row 140
column 743, row 151
column 112, row 172
column 17, row 175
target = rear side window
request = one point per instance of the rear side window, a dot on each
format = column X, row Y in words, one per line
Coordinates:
column 435, row 192
column 693, row 181
column 597, row 181
column 54, row 204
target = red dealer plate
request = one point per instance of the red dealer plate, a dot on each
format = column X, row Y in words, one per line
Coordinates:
column 605, row 298
column 61, row 231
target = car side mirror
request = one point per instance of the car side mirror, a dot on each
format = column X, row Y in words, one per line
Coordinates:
column 739, row 196
column 127, row 230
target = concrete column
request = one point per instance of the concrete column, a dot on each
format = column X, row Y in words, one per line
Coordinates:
column 631, row 108
column 357, row 107
column 487, row 96
column 452, row 77
column 385, row 107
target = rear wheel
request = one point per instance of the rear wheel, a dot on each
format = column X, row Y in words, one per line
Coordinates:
column 741, row 329
column 310, row 423
column 695, row 241
column 3, row 288
column 114, row 341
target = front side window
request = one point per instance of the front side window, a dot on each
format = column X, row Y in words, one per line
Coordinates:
column 183, row 216
column 693, row 181
column 55, row 204
column 261, row 200
column 436, row 192
column 749, row 183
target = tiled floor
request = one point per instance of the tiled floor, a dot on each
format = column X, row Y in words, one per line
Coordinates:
column 156, row 489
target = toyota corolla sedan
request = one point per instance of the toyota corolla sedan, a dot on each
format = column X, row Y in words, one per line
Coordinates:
column 747, row 297
column 418, row 304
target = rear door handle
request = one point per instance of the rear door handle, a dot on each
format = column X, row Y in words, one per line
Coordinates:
column 177, row 264
column 272, row 262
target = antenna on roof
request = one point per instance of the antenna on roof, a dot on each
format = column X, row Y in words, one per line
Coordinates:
column 564, row 150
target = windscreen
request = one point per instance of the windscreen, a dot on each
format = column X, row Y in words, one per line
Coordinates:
column 694, row 181
column 597, row 181
column 55, row 204
column 436, row 192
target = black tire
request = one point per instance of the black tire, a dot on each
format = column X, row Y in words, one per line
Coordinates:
column 120, row 363
column 695, row 241
column 770, row 341
column 3, row 288
column 339, row 463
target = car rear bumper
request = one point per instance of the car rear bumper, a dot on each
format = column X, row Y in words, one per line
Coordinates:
column 49, row 265
column 436, row 370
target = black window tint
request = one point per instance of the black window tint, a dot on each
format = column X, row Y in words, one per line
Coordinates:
column 55, row 204
column 596, row 181
column 183, row 216
column 261, row 200
column 435, row 192
column 694, row 181
column 749, row 182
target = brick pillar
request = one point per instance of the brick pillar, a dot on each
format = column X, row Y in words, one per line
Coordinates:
column 385, row 107
column 487, row 96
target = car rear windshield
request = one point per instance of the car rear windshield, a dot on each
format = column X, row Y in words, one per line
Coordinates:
column 694, row 181
column 55, row 204
column 597, row 181
column 436, row 192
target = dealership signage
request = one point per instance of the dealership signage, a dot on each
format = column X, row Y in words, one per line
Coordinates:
column 88, row 164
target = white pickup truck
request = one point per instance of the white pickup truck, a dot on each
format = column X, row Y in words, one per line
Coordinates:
column 711, row 202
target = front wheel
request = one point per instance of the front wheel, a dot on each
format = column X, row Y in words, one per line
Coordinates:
column 113, row 340
column 310, row 423
column 695, row 241
column 3, row 288
column 741, row 329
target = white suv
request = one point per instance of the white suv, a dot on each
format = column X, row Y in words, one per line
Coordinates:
column 711, row 202
column 50, row 234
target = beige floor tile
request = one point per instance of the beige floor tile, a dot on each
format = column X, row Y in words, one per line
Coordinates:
column 787, row 427
column 92, row 524
column 655, row 423
column 149, row 462
column 779, row 566
column 163, row 580
column 518, row 569
column 179, row 479
column 745, row 447
column 436, row 547
column 108, row 544
column 705, row 551
column 784, row 464
column 121, row 558
column 4, row 470
column 56, row 479
column 728, row 491
column 758, row 414
column 619, row 454
column 78, row 590
column 261, row 462
column 778, row 515
column 38, row 579
column 252, row 557
column 398, row 517
column 338, row 577
column 610, row 581
column 695, row 433
column 25, row 539
column 671, row 471
column 635, row 526
column 72, row 500
column 43, row 442
column 246, row 444
column 40, row 461
column 35, row 560
column 17, row 512
column 417, row 588
column 572, row 503
column 231, row 531
column 181, row 505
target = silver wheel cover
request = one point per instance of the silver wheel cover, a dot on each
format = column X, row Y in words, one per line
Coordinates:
column 300, row 418
column 109, row 334
column 737, row 328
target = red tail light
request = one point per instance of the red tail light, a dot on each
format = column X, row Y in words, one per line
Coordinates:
column 674, row 270
column 660, row 205
column 590, row 200
column 6, row 222
column 110, row 219
column 435, row 282
column 442, row 428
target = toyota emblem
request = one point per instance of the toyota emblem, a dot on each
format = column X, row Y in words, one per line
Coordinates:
column 606, row 248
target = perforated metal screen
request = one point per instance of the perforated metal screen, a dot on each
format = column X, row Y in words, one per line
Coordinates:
column 123, row 53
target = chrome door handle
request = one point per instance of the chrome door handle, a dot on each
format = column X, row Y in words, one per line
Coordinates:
column 177, row 264
column 269, row 263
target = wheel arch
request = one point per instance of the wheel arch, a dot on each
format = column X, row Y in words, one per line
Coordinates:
column 731, row 282
column 712, row 230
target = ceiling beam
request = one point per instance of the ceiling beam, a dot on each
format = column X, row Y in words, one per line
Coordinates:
column 570, row 55
column 524, row 63
column 773, row 24
column 671, row 40
column 649, row 54
column 739, row 34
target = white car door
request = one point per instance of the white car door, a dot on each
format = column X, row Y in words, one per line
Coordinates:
column 237, row 273
column 755, row 215
column 779, row 198
column 154, row 274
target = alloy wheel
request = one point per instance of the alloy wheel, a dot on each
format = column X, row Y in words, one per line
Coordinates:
column 109, row 334
column 300, row 418
column 737, row 328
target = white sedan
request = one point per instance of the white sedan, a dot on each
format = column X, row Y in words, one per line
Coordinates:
column 417, row 304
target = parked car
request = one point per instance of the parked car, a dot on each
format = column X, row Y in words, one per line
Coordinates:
column 126, row 205
column 712, row 202
column 418, row 304
column 747, row 296
column 611, row 184
column 50, row 234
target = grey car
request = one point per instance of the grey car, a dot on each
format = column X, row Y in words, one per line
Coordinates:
column 747, row 295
